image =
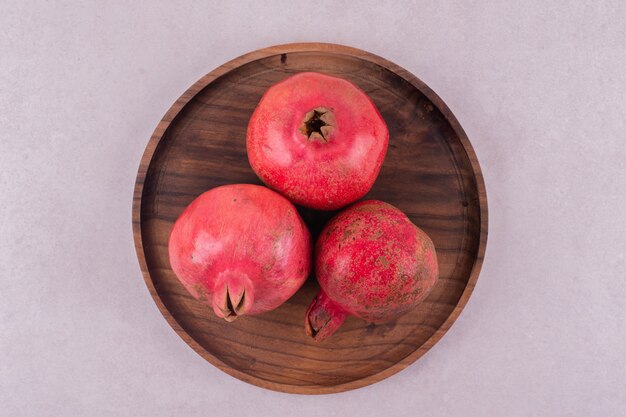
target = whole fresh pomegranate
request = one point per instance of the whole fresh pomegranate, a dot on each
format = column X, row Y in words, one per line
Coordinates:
column 241, row 249
column 372, row 263
column 317, row 139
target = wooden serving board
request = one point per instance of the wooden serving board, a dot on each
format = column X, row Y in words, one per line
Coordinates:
column 430, row 172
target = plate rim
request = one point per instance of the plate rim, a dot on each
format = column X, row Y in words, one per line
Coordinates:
column 223, row 69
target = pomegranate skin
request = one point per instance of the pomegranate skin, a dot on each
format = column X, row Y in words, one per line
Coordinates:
column 241, row 249
column 318, row 140
column 371, row 262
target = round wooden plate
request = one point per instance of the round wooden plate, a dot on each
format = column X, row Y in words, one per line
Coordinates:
column 430, row 172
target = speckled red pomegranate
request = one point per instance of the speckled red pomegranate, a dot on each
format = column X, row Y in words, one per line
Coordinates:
column 317, row 139
column 372, row 262
column 241, row 249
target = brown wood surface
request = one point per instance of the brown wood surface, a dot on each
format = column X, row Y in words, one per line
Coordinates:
column 430, row 172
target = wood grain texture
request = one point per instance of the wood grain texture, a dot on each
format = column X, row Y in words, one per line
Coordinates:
column 430, row 172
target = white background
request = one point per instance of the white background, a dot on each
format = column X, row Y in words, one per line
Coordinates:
column 540, row 88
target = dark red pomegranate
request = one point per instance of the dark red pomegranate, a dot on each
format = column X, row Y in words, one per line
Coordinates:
column 317, row 139
column 372, row 262
column 241, row 249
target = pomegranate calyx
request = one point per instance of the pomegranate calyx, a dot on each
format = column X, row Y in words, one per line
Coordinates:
column 234, row 306
column 314, row 324
column 323, row 317
column 233, row 296
column 317, row 124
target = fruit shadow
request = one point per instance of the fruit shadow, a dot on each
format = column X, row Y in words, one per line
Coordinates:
column 315, row 220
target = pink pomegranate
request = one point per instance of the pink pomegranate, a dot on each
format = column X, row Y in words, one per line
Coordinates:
column 241, row 249
column 317, row 139
column 372, row 263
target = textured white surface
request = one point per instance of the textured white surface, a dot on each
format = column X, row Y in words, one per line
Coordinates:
column 540, row 89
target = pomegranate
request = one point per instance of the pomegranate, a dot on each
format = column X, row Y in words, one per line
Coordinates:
column 317, row 139
column 241, row 249
column 371, row 262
